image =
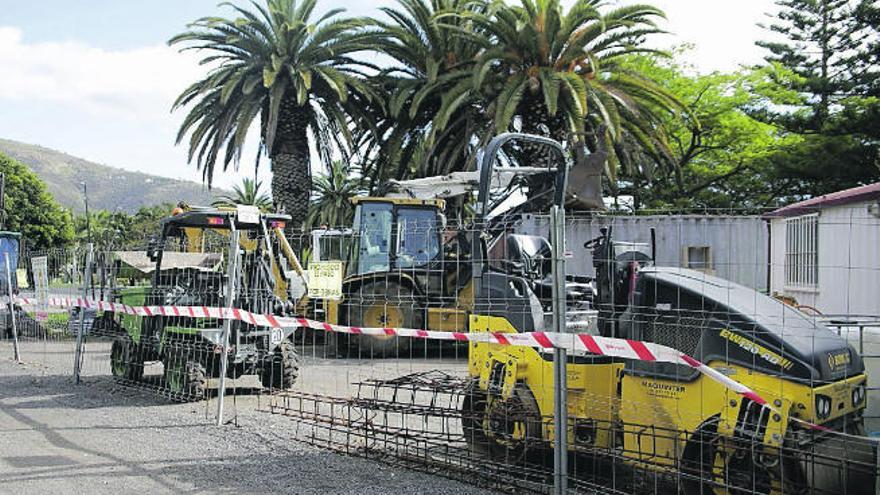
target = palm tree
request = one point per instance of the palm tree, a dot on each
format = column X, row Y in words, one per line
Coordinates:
column 560, row 74
column 297, row 74
column 248, row 193
column 334, row 190
column 434, row 47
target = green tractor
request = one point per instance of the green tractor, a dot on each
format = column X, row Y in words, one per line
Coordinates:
column 190, row 266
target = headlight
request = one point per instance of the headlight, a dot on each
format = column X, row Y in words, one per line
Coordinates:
column 858, row 395
column 823, row 406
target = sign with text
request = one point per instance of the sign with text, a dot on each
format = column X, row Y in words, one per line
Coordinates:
column 40, row 267
column 325, row 279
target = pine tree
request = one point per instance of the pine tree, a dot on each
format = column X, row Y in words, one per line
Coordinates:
column 822, row 94
column 830, row 46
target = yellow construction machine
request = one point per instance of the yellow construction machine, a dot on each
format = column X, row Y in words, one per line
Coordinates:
column 667, row 421
column 407, row 268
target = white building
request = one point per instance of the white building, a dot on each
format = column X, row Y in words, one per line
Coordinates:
column 728, row 246
column 825, row 252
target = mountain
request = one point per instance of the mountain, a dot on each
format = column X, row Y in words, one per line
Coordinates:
column 109, row 188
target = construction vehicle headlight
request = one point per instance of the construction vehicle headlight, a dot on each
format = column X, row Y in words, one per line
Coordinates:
column 858, row 395
column 823, row 406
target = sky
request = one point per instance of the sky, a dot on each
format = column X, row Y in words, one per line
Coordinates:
column 95, row 78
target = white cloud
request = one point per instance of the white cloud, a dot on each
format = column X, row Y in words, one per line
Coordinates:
column 722, row 31
column 128, row 83
column 109, row 106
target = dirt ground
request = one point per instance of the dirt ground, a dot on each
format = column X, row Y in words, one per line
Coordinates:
column 100, row 437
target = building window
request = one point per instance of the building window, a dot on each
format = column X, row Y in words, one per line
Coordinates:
column 698, row 258
column 802, row 251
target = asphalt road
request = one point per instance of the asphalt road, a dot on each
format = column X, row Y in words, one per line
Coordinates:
column 100, row 437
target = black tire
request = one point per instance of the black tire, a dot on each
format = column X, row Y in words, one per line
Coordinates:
column 378, row 304
column 280, row 369
column 126, row 360
column 489, row 425
column 739, row 474
column 185, row 375
column 473, row 408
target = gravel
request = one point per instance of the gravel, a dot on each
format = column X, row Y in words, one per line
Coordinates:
column 100, row 437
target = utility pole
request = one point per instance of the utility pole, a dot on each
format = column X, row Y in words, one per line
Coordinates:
column 88, row 220
column 2, row 201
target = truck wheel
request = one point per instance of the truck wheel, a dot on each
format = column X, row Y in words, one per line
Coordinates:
column 507, row 430
column 281, row 368
column 185, row 376
column 126, row 362
column 379, row 305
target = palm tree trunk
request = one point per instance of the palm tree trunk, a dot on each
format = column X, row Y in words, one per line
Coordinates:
column 291, row 166
column 292, row 184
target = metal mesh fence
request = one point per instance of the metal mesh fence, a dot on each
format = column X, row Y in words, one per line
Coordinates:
column 438, row 352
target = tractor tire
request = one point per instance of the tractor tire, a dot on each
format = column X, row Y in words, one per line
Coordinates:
column 126, row 360
column 507, row 431
column 186, row 378
column 378, row 305
column 280, row 369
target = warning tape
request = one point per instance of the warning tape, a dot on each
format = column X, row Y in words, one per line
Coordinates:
column 545, row 341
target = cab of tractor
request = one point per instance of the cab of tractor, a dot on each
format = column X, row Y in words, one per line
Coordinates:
column 191, row 267
column 394, row 234
column 395, row 271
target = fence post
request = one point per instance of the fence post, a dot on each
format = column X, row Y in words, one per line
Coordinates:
column 15, row 350
column 80, row 337
column 232, row 271
column 560, row 385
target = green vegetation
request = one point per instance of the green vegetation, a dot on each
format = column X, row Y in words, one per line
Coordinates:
column 31, row 210
column 293, row 70
column 448, row 75
column 824, row 89
column 248, row 193
column 434, row 47
column 331, row 205
column 120, row 230
column 109, row 188
column 721, row 153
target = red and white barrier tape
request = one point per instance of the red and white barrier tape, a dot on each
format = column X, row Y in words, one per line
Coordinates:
column 545, row 341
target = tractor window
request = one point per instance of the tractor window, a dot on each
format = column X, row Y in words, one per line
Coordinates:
column 373, row 227
column 418, row 239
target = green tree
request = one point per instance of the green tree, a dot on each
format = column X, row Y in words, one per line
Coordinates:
column 145, row 223
column 334, row 190
column 248, row 193
column 722, row 154
column 821, row 85
column 295, row 72
column 31, row 210
column 106, row 229
column 561, row 73
column 434, row 46
column 121, row 230
column 827, row 45
column 469, row 70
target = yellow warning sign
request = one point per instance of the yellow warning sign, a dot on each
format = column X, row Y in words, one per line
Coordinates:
column 325, row 279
